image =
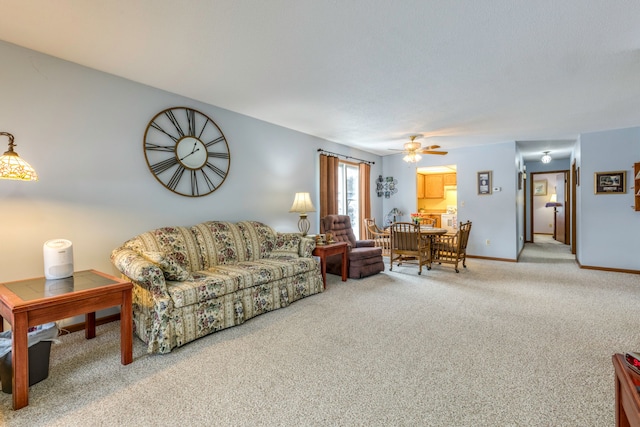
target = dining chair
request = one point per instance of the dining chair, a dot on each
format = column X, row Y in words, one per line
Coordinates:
column 428, row 221
column 381, row 238
column 452, row 248
column 409, row 246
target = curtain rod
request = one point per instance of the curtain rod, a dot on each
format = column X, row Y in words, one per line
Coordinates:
column 346, row 157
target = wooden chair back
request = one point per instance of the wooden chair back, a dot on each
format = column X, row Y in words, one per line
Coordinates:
column 452, row 249
column 408, row 244
column 428, row 221
column 381, row 239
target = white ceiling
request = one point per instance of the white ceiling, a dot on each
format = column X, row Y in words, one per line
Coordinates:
column 367, row 73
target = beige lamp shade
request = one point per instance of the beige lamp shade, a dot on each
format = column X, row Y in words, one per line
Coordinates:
column 13, row 167
column 302, row 204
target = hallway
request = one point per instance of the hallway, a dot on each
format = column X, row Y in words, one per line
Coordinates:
column 545, row 249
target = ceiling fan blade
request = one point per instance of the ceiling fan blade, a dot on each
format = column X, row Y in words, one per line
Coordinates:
column 440, row 153
column 431, row 147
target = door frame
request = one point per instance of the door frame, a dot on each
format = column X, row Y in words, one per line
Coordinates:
column 567, row 208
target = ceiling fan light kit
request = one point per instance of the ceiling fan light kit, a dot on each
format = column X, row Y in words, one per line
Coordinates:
column 413, row 149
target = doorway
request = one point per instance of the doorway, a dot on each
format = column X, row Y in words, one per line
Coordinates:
column 549, row 206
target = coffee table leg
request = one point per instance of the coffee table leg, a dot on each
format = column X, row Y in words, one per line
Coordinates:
column 90, row 325
column 20, row 361
column 126, row 329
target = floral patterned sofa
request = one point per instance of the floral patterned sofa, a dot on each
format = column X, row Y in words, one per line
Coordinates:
column 191, row 281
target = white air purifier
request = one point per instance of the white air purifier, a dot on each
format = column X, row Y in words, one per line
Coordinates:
column 58, row 259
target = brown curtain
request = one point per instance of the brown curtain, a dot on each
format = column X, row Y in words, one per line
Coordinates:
column 328, row 186
column 365, row 199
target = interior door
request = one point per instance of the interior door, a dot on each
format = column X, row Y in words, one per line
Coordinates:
column 560, row 220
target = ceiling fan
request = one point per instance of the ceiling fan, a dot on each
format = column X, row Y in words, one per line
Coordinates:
column 413, row 149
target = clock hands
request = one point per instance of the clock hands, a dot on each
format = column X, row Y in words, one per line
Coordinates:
column 193, row 150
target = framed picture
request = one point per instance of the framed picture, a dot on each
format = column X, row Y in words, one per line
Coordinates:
column 540, row 187
column 484, row 183
column 610, row 182
column 519, row 180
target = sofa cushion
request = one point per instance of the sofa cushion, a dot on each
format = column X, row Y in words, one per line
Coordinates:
column 169, row 264
column 220, row 243
column 228, row 278
column 259, row 239
column 178, row 241
column 365, row 252
column 286, row 246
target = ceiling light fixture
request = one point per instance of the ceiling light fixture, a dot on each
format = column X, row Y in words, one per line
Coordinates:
column 412, row 157
column 546, row 158
column 411, row 150
column 12, row 166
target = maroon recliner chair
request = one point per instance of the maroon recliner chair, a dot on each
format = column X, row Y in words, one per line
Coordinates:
column 363, row 257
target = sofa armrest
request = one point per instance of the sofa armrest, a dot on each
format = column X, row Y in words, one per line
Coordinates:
column 365, row 243
column 140, row 270
column 307, row 245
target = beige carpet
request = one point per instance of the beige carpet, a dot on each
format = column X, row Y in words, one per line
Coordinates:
column 499, row 344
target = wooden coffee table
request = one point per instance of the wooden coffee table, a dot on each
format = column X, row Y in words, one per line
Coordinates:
column 38, row 301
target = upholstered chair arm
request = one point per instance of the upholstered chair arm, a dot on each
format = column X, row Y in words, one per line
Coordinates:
column 365, row 243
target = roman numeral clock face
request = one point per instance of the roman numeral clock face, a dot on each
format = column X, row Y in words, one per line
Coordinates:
column 186, row 151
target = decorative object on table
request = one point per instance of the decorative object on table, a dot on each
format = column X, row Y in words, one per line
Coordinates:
column 302, row 204
column 393, row 216
column 186, row 151
column 610, row 182
column 540, row 187
column 415, row 217
column 413, row 149
column 58, row 258
column 484, row 183
column 329, row 238
column 633, row 361
column 386, row 186
column 12, row 166
column 321, row 239
column 546, row 158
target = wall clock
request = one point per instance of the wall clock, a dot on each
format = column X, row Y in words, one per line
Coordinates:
column 186, row 151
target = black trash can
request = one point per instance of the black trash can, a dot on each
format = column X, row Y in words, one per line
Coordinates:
column 39, row 340
column 38, row 366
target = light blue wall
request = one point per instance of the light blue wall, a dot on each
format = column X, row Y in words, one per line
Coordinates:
column 493, row 216
column 82, row 131
column 608, row 228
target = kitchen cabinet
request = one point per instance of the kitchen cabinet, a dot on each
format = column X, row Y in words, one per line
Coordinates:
column 449, row 179
column 434, row 216
column 420, row 186
column 434, row 186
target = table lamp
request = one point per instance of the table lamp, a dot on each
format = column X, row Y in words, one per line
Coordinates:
column 302, row 204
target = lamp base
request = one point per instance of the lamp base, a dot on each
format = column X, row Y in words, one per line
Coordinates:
column 303, row 224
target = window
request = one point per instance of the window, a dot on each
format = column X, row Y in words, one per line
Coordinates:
column 348, row 196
